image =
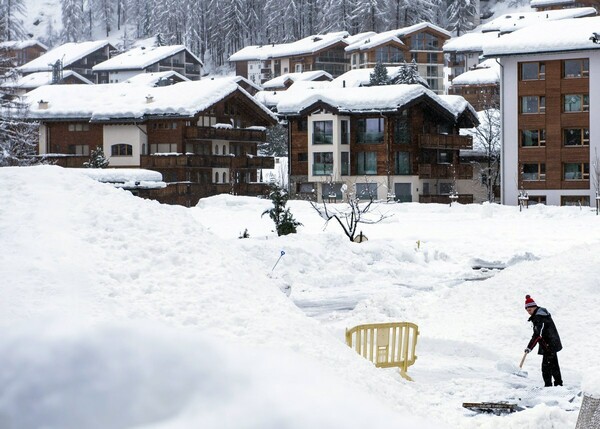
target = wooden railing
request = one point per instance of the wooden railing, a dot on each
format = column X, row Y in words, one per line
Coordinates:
column 236, row 134
column 207, row 161
column 386, row 344
column 445, row 141
column 445, row 199
column 445, row 171
column 67, row 161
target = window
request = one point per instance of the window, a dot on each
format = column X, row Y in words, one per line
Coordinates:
column 533, row 104
column 224, row 177
column 370, row 130
column 533, row 71
column 445, row 157
column 298, row 68
column 402, row 129
column 576, row 103
column 164, row 125
column 163, row 148
column 366, row 163
column 424, row 42
column 401, row 163
column 224, row 150
column 302, row 124
column 322, row 163
column 432, row 71
column 432, row 59
column 576, row 68
column 79, row 149
column 576, row 137
column 302, row 156
column 574, row 200
column 216, row 177
column 345, row 163
column 533, row 138
column 534, row 172
column 79, row 127
column 388, row 54
column 121, row 150
column 366, row 191
column 345, row 132
column 445, row 188
column 332, row 190
column 323, row 132
column 306, row 188
column 536, row 199
column 576, row 171
column 206, row 121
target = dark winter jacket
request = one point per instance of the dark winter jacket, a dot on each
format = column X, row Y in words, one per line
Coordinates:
column 544, row 333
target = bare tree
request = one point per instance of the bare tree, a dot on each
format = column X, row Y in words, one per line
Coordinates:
column 18, row 136
column 352, row 213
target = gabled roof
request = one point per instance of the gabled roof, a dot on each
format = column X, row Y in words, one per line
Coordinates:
column 462, row 108
column 125, row 101
column 68, row 53
column 240, row 80
column 35, row 80
column 364, row 100
column 510, row 22
column 13, row 44
column 486, row 73
column 152, row 79
column 393, row 35
column 142, row 57
column 280, row 81
column 553, row 36
column 470, row 42
column 361, row 77
column 308, row 45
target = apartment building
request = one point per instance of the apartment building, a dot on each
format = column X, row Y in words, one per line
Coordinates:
column 550, row 81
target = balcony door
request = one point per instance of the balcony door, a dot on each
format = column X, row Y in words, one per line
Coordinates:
column 403, row 192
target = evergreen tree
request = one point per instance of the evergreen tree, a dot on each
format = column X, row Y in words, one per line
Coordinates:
column 284, row 220
column 461, row 14
column 379, row 75
column 73, row 20
column 277, row 142
column 18, row 137
column 97, row 159
column 409, row 74
column 104, row 11
column 11, row 20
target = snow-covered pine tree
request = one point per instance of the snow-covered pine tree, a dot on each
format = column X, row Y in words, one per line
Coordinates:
column 461, row 14
column 371, row 13
column 18, row 137
column 409, row 74
column 277, row 142
column 104, row 11
column 11, row 20
column 97, row 159
column 379, row 75
column 73, row 20
column 284, row 220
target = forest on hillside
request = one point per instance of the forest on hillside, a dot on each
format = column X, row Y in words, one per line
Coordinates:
column 214, row 29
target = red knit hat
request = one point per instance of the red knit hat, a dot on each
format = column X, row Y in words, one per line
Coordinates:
column 529, row 302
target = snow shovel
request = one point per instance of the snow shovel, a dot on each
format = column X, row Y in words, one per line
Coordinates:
column 520, row 372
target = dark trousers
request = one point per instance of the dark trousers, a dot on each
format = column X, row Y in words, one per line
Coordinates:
column 550, row 369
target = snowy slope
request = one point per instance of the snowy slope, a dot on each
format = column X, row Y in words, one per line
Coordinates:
column 129, row 313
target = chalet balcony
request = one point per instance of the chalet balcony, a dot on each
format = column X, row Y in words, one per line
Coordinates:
column 445, row 171
column 66, row 161
column 207, row 161
column 208, row 133
column 445, row 141
column 192, row 69
column 445, row 199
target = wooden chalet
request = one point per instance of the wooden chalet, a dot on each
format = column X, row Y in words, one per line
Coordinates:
column 201, row 135
column 396, row 142
column 78, row 57
column 21, row 52
column 154, row 59
column 421, row 42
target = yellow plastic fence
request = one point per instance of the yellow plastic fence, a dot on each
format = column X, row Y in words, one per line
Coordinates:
column 386, row 344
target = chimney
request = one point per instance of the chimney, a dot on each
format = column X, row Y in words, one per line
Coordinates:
column 149, row 98
column 42, row 105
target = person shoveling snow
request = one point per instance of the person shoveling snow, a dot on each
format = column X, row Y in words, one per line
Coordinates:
column 546, row 334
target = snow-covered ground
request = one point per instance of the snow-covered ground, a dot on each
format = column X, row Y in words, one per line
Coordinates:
column 118, row 312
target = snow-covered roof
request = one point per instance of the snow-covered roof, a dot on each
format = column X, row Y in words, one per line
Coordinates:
column 553, row 36
column 375, row 40
column 129, row 101
column 544, row 3
column 470, row 42
column 362, row 99
column 35, row 80
column 459, row 104
column 280, row 81
column 68, row 53
column 236, row 79
column 14, row 44
column 514, row 21
column 361, row 77
column 359, row 36
column 151, row 79
column 486, row 73
column 308, row 45
column 140, row 58
column 392, row 35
